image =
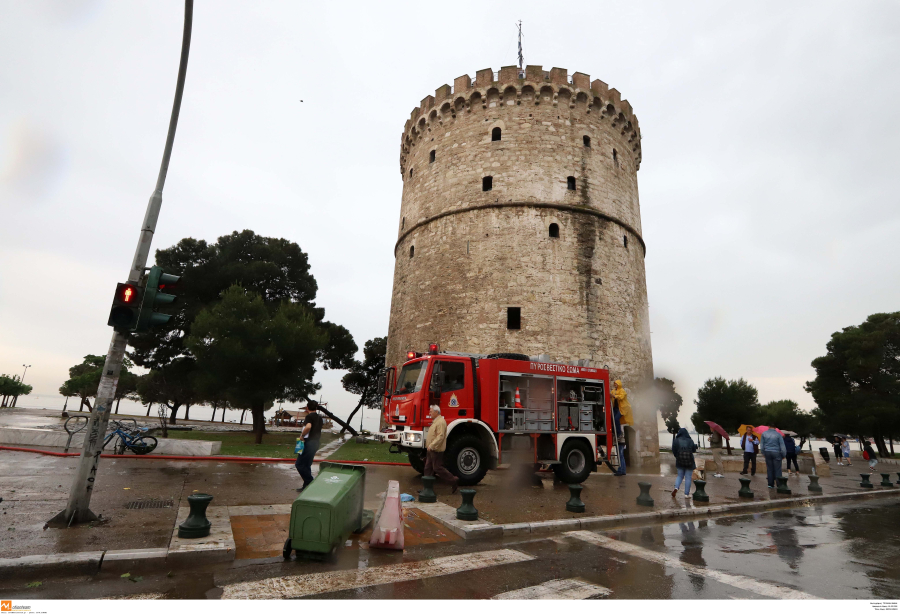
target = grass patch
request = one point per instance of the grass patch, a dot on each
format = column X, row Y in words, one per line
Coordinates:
column 366, row 451
column 274, row 445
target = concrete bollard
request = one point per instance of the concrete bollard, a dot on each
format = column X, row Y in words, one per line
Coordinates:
column 745, row 488
column 467, row 510
column 782, row 488
column 700, row 492
column 196, row 525
column 644, row 498
column 814, row 484
column 575, row 504
column 898, row 479
column 865, row 481
column 426, row 495
column 886, row 480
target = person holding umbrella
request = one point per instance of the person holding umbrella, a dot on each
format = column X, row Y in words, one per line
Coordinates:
column 715, row 446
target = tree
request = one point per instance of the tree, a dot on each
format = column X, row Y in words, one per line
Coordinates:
column 857, row 383
column 669, row 403
column 84, row 379
column 787, row 415
column 276, row 270
column 172, row 386
column 255, row 355
column 11, row 386
column 363, row 376
column 728, row 404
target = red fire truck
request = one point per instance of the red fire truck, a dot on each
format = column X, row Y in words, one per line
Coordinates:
column 497, row 403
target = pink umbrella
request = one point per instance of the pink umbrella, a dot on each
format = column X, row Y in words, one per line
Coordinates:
column 763, row 429
column 715, row 427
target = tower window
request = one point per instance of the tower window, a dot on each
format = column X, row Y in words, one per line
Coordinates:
column 625, row 240
column 587, row 140
column 495, row 134
column 487, row 184
column 410, row 173
column 616, row 158
column 402, row 223
column 431, row 157
column 570, row 183
column 412, row 251
column 554, row 231
column 513, row 318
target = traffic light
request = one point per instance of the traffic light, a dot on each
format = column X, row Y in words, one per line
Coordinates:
column 126, row 307
column 153, row 298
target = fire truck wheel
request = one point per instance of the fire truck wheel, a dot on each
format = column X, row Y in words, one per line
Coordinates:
column 417, row 460
column 575, row 462
column 509, row 356
column 466, row 458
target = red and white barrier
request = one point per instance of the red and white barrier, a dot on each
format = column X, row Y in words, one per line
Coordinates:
column 388, row 526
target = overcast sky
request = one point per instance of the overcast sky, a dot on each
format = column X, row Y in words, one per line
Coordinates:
column 769, row 183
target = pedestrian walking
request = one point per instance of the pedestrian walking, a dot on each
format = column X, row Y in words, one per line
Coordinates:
column 869, row 455
column 715, row 446
column 750, row 446
column 838, row 455
column 772, row 446
column 790, row 447
column 683, row 447
column 435, row 444
column 845, row 448
column 311, row 434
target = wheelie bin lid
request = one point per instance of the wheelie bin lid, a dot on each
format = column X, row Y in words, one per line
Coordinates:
column 333, row 478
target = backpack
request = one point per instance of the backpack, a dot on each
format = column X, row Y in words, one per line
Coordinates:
column 685, row 457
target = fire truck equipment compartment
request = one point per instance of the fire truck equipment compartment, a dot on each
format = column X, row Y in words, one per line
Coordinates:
column 328, row 510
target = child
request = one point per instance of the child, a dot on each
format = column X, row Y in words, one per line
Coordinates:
column 845, row 446
column 870, row 453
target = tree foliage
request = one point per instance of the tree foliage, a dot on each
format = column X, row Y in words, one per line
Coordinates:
column 669, row 402
column 362, row 378
column 727, row 403
column 275, row 270
column 12, row 387
column 84, row 379
column 857, row 383
column 256, row 355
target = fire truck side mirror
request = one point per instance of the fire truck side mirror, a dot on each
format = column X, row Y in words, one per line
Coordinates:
column 437, row 381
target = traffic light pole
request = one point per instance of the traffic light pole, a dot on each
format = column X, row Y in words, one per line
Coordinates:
column 78, row 506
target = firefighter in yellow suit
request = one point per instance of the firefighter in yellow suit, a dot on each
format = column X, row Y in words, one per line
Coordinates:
column 621, row 415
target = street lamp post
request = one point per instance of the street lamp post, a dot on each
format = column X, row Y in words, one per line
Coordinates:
column 21, row 381
column 78, row 506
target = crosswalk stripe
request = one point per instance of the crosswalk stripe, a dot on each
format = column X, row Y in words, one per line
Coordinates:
column 557, row 589
column 314, row 584
column 742, row 582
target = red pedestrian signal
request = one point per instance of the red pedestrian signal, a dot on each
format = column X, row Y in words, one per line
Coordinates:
column 126, row 307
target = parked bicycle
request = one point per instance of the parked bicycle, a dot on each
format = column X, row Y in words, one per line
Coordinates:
column 132, row 438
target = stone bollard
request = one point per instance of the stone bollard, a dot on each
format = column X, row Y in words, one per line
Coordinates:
column 700, row 492
column 782, row 488
column 898, row 478
column 196, row 524
column 426, row 495
column 886, row 480
column 865, row 481
column 467, row 510
column 814, row 484
column 575, row 504
column 644, row 498
column 745, row 488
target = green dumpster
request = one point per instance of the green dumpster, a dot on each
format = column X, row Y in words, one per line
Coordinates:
column 328, row 510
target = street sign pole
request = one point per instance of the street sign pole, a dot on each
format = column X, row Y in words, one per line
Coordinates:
column 78, row 506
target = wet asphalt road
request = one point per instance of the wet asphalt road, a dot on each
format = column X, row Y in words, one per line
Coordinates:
column 840, row 551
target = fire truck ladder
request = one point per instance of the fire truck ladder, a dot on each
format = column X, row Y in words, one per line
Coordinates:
column 612, row 458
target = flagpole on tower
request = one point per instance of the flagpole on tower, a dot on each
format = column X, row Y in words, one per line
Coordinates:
column 521, row 57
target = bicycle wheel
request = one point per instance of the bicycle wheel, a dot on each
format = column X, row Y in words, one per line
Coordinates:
column 144, row 445
column 120, row 446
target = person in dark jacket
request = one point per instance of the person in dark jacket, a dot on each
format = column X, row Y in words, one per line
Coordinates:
column 870, row 452
column 837, row 450
column 790, row 447
column 683, row 447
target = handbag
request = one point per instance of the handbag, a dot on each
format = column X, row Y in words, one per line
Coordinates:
column 866, row 455
column 298, row 447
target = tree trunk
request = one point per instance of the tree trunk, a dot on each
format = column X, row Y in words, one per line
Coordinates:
column 88, row 403
column 149, row 407
column 187, row 411
column 259, row 418
column 882, row 447
column 243, row 411
column 174, row 409
column 892, row 446
column 356, row 409
column 119, row 400
column 215, row 407
column 338, row 420
column 224, row 407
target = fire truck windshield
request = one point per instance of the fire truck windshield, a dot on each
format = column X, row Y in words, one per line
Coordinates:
column 411, row 378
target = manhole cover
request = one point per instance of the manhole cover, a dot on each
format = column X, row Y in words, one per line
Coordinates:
column 149, row 504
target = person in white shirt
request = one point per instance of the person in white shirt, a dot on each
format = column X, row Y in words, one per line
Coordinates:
column 750, row 446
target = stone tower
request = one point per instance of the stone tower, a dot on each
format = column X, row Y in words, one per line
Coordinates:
column 520, row 228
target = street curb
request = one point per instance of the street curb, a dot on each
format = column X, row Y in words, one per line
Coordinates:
column 79, row 562
column 489, row 530
column 229, row 459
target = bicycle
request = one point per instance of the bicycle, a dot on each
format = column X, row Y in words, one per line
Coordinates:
column 132, row 439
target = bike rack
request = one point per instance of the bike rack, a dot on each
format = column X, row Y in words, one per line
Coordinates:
column 71, row 433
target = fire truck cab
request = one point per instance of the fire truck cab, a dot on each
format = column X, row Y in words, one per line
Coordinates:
column 495, row 404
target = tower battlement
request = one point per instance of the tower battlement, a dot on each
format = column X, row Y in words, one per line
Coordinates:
column 534, row 86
